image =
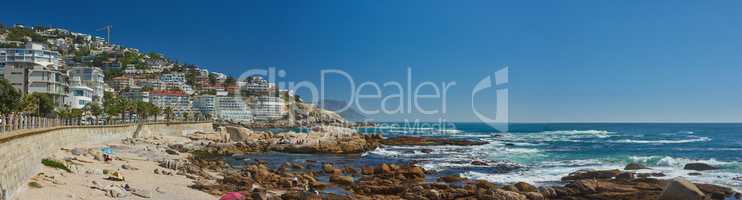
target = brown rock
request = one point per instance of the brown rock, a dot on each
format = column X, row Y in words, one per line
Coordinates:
column 327, row 168
column 716, row 192
column 535, row 196
column 626, row 176
column 525, row 187
column 584, row 186
column 366, row 170
column 510, row 188
column 694, row 174
column 450, row 179
column 383, row 169
column 349, row 170
column 681, row 189
column 635, row 166
column 478, row 162
column 342, row 180
column 547, row 192
column 508, row 195
column 598, row 174
column 699, row 167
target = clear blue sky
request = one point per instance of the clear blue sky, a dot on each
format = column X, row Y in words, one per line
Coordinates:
column 569, row 60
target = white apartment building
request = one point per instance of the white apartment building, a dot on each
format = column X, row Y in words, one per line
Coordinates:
column 232, row 109
column 176, row 100
column 92, row 77
column 35, row 69
column 173, row 78
column 136, row 93
column 257, row 86
column 177, row 80
column 80, row 95
column 205, row 104
column 223, row 107
column 267, row 108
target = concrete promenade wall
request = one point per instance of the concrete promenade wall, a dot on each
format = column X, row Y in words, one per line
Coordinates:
column 20, row 156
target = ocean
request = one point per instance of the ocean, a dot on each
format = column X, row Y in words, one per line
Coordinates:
column 542, row 153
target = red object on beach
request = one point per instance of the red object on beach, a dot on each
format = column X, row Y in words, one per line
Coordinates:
column 232, row 196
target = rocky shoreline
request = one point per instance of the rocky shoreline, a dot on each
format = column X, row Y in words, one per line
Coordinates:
column 197, row 164
column 390, row 181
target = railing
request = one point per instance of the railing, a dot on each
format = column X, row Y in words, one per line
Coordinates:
column 14, row 122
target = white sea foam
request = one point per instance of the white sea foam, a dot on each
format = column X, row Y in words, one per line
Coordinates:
column 562, row 135
column 537, row 176
column 689, row 140
column 382, row 152
column 551, row 172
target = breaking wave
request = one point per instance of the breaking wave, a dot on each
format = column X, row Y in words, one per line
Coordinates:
column 690, row 139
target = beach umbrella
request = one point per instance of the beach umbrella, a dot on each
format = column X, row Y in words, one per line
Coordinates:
column 107, row 150
column 232, row 196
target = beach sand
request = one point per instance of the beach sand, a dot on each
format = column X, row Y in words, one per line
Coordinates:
column 87, row 180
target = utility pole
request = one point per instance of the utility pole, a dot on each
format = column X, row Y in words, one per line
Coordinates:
column 107, row 28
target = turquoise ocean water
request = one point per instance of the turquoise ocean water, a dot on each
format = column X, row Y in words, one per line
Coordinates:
column 542, row 153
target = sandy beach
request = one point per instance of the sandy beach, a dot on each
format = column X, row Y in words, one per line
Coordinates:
column 89, row 178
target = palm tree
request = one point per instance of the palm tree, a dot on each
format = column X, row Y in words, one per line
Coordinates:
column 94, row 109
column 156, row 111
column 168, row 113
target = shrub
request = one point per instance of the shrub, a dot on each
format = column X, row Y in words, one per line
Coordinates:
column 55, row 164
column 34, row 184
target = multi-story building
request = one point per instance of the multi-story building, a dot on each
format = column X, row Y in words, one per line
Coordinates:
column 173, row 78
column 35, row 69
column 204, row 104
column 257, row 86
column 92, row 77
column 80, row 95
column 122, row 82
column 136, row 93
column 232, row 109
column 268, row 108
column 177, row 100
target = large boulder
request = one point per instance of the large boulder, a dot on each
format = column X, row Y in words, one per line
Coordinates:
column 635, row 166
column 715, row 191
column 327, row 168
column 366, row 170
column 597, row 174
column 681, row 189
column 383, row 168
column 412, row 172
column 238, row 134
column 450, row 179
column 699, row 167
column 525, row 187
column 342, row 180
column 508, row 195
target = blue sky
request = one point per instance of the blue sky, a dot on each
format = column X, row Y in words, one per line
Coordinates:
column 582, row 61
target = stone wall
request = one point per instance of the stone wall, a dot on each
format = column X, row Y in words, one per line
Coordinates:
column 20, row 157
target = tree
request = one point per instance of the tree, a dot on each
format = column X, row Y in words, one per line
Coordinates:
column 146, row 109
column 94, row 109
column 155, row 111
column 212, row 78
column 10, row 98
column 168, row 113
column 229, row 81
column 111, row 106
column 185, row 116
column 38, row 103
column 190, row 76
